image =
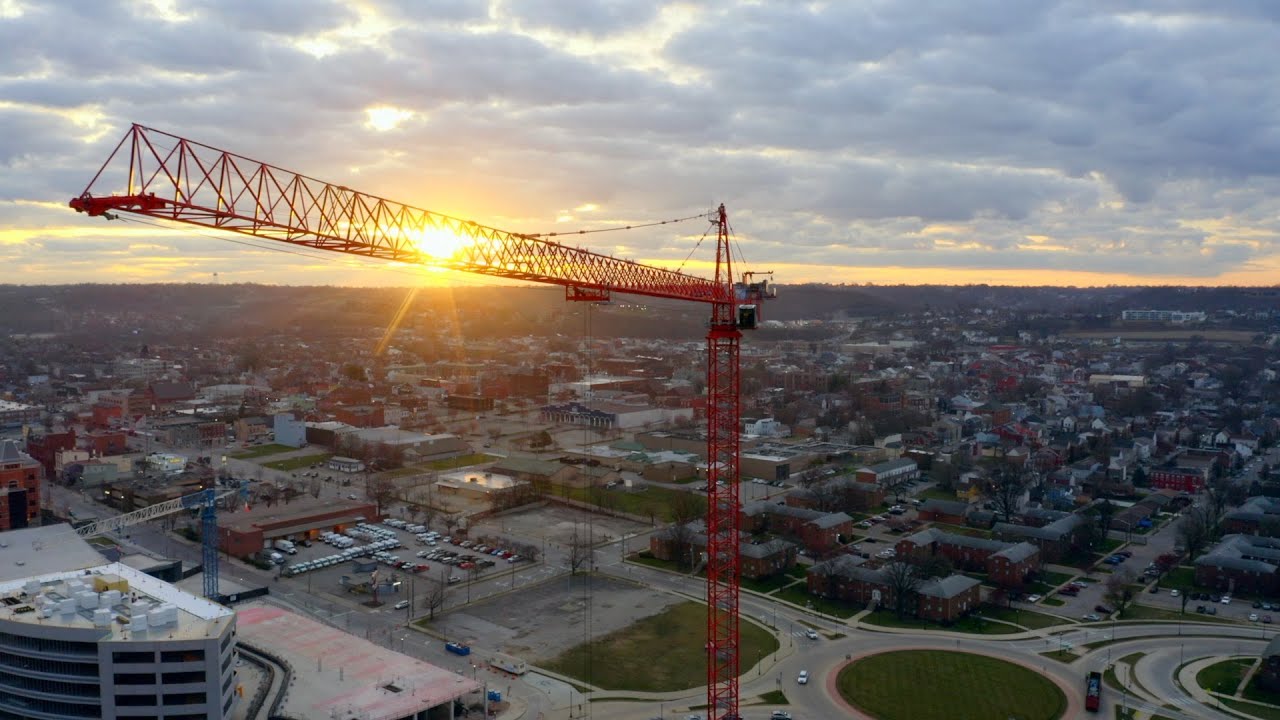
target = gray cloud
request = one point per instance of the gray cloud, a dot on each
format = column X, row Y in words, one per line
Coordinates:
column 874, row 133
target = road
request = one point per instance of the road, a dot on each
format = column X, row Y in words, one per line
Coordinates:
column 1166, row 645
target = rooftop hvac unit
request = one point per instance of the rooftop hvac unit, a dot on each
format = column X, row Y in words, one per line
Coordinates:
column 138, row 622
column 102, row 617
column 66, row 607
column 110, row 598
column 31, row 587
column 87, row 600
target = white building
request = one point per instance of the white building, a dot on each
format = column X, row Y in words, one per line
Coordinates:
column 110, row 642
column 1170, row 316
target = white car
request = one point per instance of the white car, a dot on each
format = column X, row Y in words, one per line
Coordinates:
column 1226, row 599
column 1033, row 598
column 803, row 677
column 811, row 634
column 1174, row 592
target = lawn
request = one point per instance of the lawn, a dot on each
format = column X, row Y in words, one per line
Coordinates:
column 660, row 653
column 262, row 451
column 456, row 462
column 1182, row 578
column 1026, row 618
column 971, row 624
column 768, row 584
column 1223, row 677
column 1053, row 578
column 961, row 686
column 800, row 595
column 934, row 493
column 1146, row 612
column 1258, row 711
column 1052, row 602
column 653, row 500
column 297, row 463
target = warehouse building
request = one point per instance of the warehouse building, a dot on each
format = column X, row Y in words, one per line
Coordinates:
column 246, row 533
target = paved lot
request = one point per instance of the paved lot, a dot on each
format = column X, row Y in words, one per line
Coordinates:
column 542, row 621
column 556, row 524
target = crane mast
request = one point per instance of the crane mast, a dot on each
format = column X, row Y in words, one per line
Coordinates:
column 172, row 178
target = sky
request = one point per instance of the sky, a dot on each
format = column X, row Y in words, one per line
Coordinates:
column 857, row 141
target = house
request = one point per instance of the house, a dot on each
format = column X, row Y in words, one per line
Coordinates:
column 889, row 474
column 1241, row 564
column 845, row 578
column 945, row 600
column 1006, row 564
column 841, row 493
column 944, row 511
column 1055, row 539
column 758, row 559
column 818, row 531
column 1258, row 515
column 167, row 395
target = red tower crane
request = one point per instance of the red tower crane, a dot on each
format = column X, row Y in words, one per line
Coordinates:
column 172, row 178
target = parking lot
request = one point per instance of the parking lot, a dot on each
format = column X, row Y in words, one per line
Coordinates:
column 556, row 525
column 548, row 618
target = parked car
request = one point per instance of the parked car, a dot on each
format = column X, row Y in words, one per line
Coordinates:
column 1091, row 617
column 1103, row 609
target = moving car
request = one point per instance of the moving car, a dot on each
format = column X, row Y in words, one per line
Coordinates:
column 811, row 634
column 402, row 604
column 803, row 677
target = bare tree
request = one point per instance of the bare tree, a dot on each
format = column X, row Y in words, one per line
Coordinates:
column 1195, row 529
column 314, row 487
column 903, row 579
column 827, row 571
column 451, row 521
column 433, row 598
column 579, row 551
column 1104, row 511
column 896, row 486
column 1118, row 590
column 379, row 490
column 1004, row 489
column 935, row 566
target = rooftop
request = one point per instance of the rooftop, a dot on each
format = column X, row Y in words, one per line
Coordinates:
column 296, row 511
column 345, row 674
column 58, row 546
column 114, row 601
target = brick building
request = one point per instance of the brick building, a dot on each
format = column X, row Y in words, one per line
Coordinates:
column 1256, row 516
column 819, row 532
column 1241, row 564
column 245, row 533
column 1056, row 539
column 843, row 494
column 758, row 559
column 952, row 512
column 20, row 479
column 845, row 578
column 44, row 448
column 1006, row 564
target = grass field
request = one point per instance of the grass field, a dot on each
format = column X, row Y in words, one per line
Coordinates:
column 660, row 653
column 297, row 463
column 961, row 686
column 800, row 595
column 1026, row 618
column 1224, row 676
column 262, row 451
column 1258, row 711
column 1179, row 577
column 1257, row 694
column 654, row 500
column 973, row 625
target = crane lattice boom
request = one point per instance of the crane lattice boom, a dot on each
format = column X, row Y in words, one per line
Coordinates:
column 173, row 178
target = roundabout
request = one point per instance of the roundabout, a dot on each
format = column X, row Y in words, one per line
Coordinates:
column 922, row 684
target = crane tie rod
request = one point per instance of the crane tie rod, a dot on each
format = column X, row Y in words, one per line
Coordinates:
column 707, row 216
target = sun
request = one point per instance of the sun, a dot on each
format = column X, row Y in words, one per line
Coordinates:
column 436, row 243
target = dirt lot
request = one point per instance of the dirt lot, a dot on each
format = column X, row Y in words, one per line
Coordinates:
column 545, row 620
column 556, row 524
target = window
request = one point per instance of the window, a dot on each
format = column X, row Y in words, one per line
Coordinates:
column 135, row 678
column 182, row 655
column 191, row 698
column 133, row 657
column 183, row 677
column 135, row 700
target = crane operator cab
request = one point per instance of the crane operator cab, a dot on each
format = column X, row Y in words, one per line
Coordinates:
column 748, row 295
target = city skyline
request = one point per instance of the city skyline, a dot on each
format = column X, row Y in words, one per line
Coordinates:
column 1007, row 143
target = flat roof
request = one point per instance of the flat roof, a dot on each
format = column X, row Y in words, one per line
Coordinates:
column 345, row 675
column 196, row 617
column 44, row 549
column 295, row 513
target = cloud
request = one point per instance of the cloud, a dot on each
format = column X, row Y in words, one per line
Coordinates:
column 1133, row 142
